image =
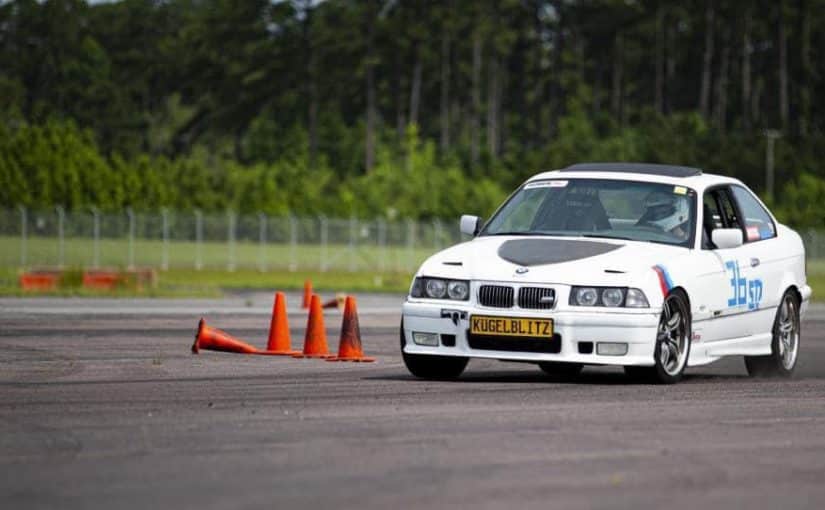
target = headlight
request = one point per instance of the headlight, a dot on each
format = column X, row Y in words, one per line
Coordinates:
column 608, row 296
column 458, row 290
column 440, row 288
column 435, row 288
column 584, row 296
column 612, row 297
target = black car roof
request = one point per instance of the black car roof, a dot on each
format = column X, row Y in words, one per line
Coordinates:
column 636, row 168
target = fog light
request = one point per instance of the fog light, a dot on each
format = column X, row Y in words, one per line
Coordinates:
column 430, row 339
column 611, row 348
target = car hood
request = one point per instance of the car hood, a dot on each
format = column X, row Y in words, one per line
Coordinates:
column 549, row 260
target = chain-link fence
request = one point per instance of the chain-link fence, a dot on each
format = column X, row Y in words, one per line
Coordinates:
column 228, row 241
column 195, row 240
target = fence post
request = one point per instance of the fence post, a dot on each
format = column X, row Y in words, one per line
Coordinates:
column 198, row 239
column 164, row 252
column 61, row 215
column 131, row 215
column 324, row 237
column 437, row 234
column 293, row 243
column 381, row 226
column 230, row 263
column 24, row 234
column 262, row 242
column 95, row 238
column 353, row 233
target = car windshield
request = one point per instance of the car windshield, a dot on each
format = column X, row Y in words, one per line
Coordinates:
column 607, row 208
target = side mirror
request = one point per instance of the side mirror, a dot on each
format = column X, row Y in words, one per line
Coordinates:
column 470, row 225
column 725, row 238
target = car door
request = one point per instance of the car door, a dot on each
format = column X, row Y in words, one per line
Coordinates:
column 726, row 284
column 764, row 259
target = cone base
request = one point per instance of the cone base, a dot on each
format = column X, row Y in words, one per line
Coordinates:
column 362, row 359
column 312, row 356
column 278, row 353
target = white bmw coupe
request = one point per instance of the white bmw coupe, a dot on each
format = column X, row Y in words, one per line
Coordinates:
column 651, row 267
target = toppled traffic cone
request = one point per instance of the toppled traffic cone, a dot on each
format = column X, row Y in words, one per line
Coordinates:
column 279, row 341
column 214, row 339
column 337, row 302
column 349, row 348
column 315, row 341
column 307, row 294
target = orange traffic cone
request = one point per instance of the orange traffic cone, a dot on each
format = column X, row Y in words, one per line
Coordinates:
column 279, row 342
column 315, row 341
column 307, row 294
column 214, row 339
column 349, row 348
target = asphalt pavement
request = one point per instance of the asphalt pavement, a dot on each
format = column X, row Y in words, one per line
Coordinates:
column 103, row 406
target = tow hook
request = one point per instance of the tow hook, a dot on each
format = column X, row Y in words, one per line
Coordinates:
column 454, row 315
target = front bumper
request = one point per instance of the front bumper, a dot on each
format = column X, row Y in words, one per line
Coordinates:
column 636, row 328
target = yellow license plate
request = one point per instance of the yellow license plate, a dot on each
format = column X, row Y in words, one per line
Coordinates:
column 511, row 326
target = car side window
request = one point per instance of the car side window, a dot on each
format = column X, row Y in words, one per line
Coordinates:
column 758, row 223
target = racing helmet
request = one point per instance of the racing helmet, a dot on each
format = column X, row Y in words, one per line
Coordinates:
column 665, row 210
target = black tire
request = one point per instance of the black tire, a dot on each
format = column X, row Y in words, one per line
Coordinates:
column 775, row 364
column 561, row 371
column 664, row 371
column 427, row 366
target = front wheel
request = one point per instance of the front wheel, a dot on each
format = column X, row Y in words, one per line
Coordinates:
column 561, row 371
column 781, row 362
column 672, row 343
column 429, row 366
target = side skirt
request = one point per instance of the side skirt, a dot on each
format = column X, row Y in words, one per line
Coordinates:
column 754, row 345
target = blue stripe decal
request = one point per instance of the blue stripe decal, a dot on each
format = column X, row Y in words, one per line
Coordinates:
column 668, row 281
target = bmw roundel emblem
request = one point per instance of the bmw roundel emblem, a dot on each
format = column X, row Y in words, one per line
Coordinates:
column 521, row 270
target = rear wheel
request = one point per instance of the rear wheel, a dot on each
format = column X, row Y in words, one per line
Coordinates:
column 561, row 371
column 785, row 344
column 428, row 366
column 672, row 343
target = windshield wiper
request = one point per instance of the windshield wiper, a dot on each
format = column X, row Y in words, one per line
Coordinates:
column 512, row 234
column 623, row 238
column 531, row 233
column 632, row 239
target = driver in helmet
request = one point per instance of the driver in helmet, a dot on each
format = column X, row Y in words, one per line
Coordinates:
column 666, row 211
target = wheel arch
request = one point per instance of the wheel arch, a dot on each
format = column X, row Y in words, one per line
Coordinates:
column 683, row 291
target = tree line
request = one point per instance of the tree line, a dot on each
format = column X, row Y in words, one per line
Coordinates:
column 381, row 107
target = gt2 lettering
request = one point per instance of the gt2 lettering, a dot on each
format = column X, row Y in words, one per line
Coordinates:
column 744, row 291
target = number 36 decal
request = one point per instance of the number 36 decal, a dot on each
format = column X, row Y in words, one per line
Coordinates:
column 744, row 291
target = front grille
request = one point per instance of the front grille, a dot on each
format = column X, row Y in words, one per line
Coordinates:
column 515, row 344
column 536, row 298
column 496, row 296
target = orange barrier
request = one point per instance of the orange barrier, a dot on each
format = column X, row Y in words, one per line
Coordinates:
column 349, row 347
column 279, row 341
column 315, row 341
column 101, row 280
column 307, row 294
column 214, row 339
column 39, row 280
